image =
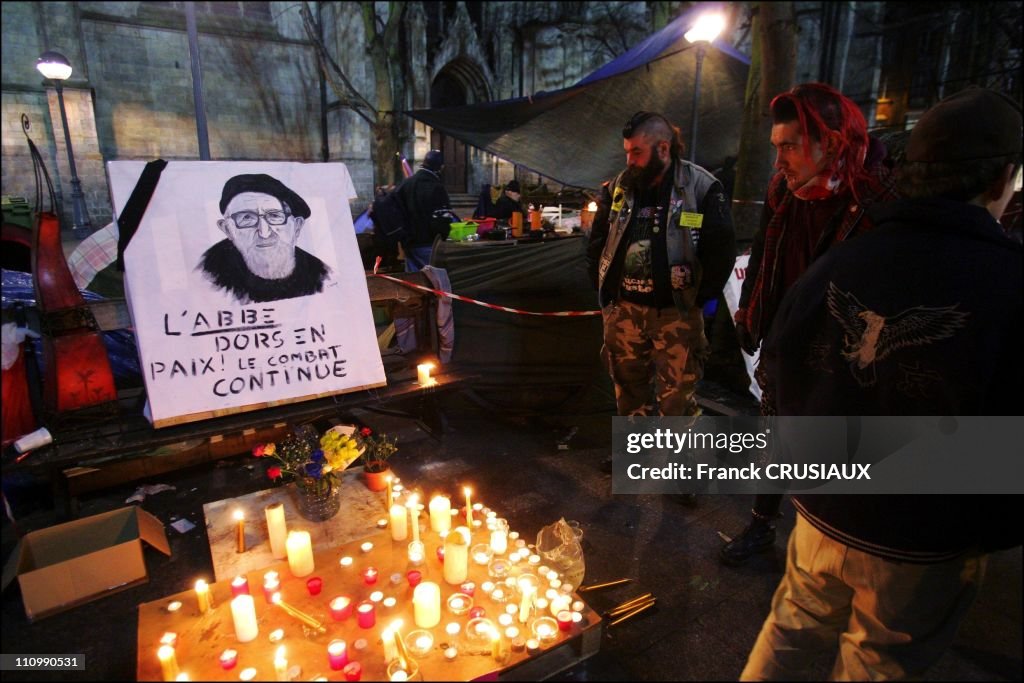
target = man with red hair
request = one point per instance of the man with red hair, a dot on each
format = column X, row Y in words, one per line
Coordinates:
column 829, row 172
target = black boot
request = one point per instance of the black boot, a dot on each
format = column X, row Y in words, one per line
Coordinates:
column 759, row 536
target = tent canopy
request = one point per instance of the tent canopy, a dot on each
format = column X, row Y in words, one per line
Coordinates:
column 574, row 135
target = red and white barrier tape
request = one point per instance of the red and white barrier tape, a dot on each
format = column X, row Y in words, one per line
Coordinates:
column 459, row 297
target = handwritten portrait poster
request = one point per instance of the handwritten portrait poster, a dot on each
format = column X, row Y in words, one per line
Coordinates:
column 245, row 287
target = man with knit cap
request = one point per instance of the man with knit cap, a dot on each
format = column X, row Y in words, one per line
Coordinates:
column 258, row 260
column 429, row 210
column 921, row 316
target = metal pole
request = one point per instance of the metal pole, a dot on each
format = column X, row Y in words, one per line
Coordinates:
column 81, row 225
column 696, row 101
column 197, row 81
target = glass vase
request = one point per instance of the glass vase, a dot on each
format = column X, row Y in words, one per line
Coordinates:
column 316, row 504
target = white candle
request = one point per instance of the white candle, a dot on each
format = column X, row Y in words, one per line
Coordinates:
column 243, row 612
column 387, row 639
column 203, row 596
column 280, row 665
column 399, row 523
column 469, row 508
column 499, row 537
column 414, row 508
column 526, row 604
column 300, row 553
column 426, row 603
column 440, row 514
column 456, row 556
column 423, row 374
column 277, row 529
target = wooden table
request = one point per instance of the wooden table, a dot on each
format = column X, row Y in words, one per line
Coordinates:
column 201, row 638
column 360, row 510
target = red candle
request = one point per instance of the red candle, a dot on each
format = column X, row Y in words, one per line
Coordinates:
column 468, row 588
column 564, row 620
column 239, row 586
column 369, row 576
column 337, row 654
column 413, row 577
column 440, row 554
column 315, row 585
column 365, row 614
column 353, row 671
column 341, row 607
column 228, row 659
column 476, row 612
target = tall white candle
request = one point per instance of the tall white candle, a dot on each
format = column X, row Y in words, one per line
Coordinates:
column 414, row 510
column 399, row 523
column 526, row 604
column 243, row 612
column 499, row 536
column 280, row 664
column 300, row 553
column 426, row 604
column 423, row 374
column 456, row 556
column 277, row 529
column 440, row 514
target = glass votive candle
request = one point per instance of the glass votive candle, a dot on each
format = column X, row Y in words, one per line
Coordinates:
column 540, row 603
column 337, row 654
column 366, row 614
column 366, row 547
column 239, row 586
column 564, row 619
column 419, row 642
column 415, row 553
column 345, row 561
column 228, row 659
column 527, row 581
column 560, row 603
column 478, row 632
column 551, row 594
column 459, row 604
column 353, row 671
column 370, row 576
column 315, row 585
column 376, row 596
column 545, row 629
column 341, row 607
column 499, row 595
column 498, row 568
column 403, row 671
column 452, row 628
column 467, row 588
column 481, row 554
column 414, row 577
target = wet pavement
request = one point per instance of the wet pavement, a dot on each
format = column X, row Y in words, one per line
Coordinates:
column 533, row 469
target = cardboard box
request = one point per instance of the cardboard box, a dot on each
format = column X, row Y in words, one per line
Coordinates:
column 70, row 564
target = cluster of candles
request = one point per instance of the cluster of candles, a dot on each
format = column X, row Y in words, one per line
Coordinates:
column 520, row 592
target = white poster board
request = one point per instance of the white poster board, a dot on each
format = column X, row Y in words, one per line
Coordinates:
column 245, row 287
column 733, row 288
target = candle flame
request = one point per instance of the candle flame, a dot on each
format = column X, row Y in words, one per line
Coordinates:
column 239, row 515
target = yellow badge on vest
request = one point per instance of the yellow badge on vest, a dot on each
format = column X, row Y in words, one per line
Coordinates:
column 618, row 198
column 688, row 219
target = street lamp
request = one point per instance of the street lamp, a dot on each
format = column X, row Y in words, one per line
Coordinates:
column 706, row 29
column 57, row 68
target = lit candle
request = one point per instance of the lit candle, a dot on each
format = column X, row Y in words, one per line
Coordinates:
column 499, row 646
column 420, row 643
column 526, row 604
column 337, row 654
column 247, row 674
column 481, row 553
column 376, row 596
column 426, row 602
column 370, row 576
column 399, row 523
column 239, row 586
column 459, row 604
column 389, row 602
column 414, row 508
column 240, row 535
column 423, row 374
column 345, row 561
column 390, row 491
column 174, row 605
column 440, row 514
column 228, row 659
column 505, row 619
column 416, row 552
column 300, row 553
column 276, row 636
column 271, row 585
column 469, row 508
column 314, row 585
column 564, row 620
column 169, row 638
column 467, row 587
column 456, row 556
column 203, row 596
column 365, row 614
column 533, row 646
column 477, row 612
column 545, row 628
column 387, row 641
column 341, row 607
column 243, row 613
column 366, row 547
column 280, row 664
column 499, row 536
column 452, row 629
column 168, row 662
column 353, row 671
column 277, row 529
column 450, row 653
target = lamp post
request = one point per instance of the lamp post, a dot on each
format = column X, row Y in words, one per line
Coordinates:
column 57, row 68
column 705, row 30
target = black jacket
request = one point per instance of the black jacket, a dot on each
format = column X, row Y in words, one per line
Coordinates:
column 922, row 316
column 423, row 195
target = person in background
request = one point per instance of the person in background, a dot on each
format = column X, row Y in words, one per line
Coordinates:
column 661, row 245
column 922, row 316
column 829, row 173
column 429, row 209
column 509, row 202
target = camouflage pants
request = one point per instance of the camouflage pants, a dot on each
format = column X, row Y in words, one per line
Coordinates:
column 655, row 358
